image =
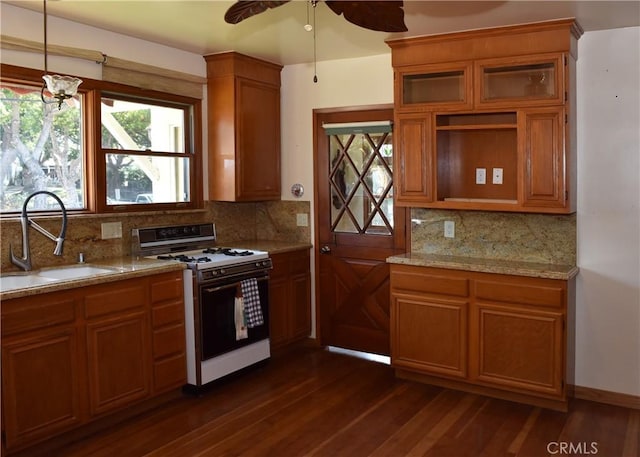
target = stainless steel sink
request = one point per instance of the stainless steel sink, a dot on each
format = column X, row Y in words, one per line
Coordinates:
column 20, row 280
column 74, row 272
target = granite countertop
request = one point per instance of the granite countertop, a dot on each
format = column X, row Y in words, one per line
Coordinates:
column 122, row 268
column 507, row 267
column 272, row 247
column 128, row 267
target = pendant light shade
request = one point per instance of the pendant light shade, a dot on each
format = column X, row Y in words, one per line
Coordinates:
column 61, row 88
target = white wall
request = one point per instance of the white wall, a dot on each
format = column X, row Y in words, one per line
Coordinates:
column 608, row 218
column 28, row 25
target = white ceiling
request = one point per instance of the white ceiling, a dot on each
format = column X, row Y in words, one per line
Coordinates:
column 278, row 34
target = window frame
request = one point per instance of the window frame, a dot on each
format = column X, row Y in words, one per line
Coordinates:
column 94, row 163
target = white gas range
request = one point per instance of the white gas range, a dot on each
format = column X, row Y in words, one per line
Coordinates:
column 217, row 343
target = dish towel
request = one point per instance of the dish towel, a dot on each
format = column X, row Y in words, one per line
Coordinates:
column 240, row 320
column 251, row 297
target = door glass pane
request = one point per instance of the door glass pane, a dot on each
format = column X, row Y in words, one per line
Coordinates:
column 361, row 182
column 520, row 81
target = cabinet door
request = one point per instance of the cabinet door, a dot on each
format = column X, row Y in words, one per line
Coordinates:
column 520, row 81
column 118, row 354
column 413, row 159
column 436, row 86
column 429, row 335
column 258, row 141
column 541, row 136
column 300, row 305
column 278, row 310
column 519, row 348
column 40, row 385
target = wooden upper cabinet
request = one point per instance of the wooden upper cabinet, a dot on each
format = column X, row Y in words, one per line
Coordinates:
column 243, row 128
column 413, row 162
column 498, row 103
column 439, row 86
column 519, row 81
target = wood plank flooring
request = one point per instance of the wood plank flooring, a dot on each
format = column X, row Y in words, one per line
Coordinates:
column 311, row 402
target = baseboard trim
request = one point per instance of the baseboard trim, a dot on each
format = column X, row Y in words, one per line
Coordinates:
column 604, row 396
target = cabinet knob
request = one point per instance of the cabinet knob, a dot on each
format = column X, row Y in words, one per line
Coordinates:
column 325, row 249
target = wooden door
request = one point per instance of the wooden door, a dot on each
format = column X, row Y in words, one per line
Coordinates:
column 357, row 228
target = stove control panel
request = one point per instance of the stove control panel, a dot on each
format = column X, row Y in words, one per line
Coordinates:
column 210, row 274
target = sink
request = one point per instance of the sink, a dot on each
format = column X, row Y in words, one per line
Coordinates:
column 20, row 281
column 74, row 272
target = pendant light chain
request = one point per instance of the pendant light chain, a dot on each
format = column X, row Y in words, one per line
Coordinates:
column 315, row 60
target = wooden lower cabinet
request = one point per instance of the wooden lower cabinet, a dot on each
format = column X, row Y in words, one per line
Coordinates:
column 290, row 297
column 494, row 334
column 69, row 357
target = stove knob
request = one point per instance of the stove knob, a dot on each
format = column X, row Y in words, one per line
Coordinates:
column 222, row 271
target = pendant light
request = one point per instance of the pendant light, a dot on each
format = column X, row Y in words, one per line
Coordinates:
column 61, row 88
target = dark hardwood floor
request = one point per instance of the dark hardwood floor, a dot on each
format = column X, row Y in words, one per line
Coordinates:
column 311, row 402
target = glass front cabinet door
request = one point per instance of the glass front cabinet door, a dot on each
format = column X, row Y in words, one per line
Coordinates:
column 442, row 87
column 526, row 81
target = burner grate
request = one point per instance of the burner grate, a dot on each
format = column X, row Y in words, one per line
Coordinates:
column 227, row 251
column 184, row 258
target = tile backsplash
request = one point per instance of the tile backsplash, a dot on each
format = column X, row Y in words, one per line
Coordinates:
column 491, row 235
column 234, row 221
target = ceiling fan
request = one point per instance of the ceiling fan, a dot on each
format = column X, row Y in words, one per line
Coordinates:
column 381, row 16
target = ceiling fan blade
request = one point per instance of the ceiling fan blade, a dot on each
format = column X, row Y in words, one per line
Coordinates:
column 244, row 9
column 382, row 16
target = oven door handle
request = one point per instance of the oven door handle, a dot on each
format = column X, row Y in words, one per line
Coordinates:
column 228, row 286
column 215, row 289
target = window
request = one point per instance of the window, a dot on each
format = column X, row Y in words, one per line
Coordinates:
column 144, row 144
column 41, row 148
column 144, row 154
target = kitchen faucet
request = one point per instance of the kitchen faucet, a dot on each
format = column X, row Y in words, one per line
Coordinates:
column 24, row 262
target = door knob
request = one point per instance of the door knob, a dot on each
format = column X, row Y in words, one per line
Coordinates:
column 325, row 249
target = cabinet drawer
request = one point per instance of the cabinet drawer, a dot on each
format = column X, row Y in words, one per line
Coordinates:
column 170, row 340
column 167, row 287
column 526, row 294
column 300, row 262
column 169, row 373
column 167, row 314
column 21, row 314
column 112, row 301
column 429, row 283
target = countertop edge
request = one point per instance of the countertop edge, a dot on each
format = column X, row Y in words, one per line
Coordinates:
column 124, row 268
column 528, row 269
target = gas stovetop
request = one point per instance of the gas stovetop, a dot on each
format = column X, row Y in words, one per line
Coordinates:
column 214, row 257
column 193, row 244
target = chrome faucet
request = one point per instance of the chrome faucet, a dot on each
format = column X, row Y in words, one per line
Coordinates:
column 24, row 262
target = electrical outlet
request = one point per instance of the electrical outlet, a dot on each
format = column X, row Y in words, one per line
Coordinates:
column 497, row 176
column 449, row 229
column 302, row 220
column 111, row 230
column 481, row 175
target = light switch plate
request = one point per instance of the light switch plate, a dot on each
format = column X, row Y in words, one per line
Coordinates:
column 481, row 175
column 111, row 230
column 302, row 219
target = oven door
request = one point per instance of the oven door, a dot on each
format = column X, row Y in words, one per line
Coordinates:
column 217, row 317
